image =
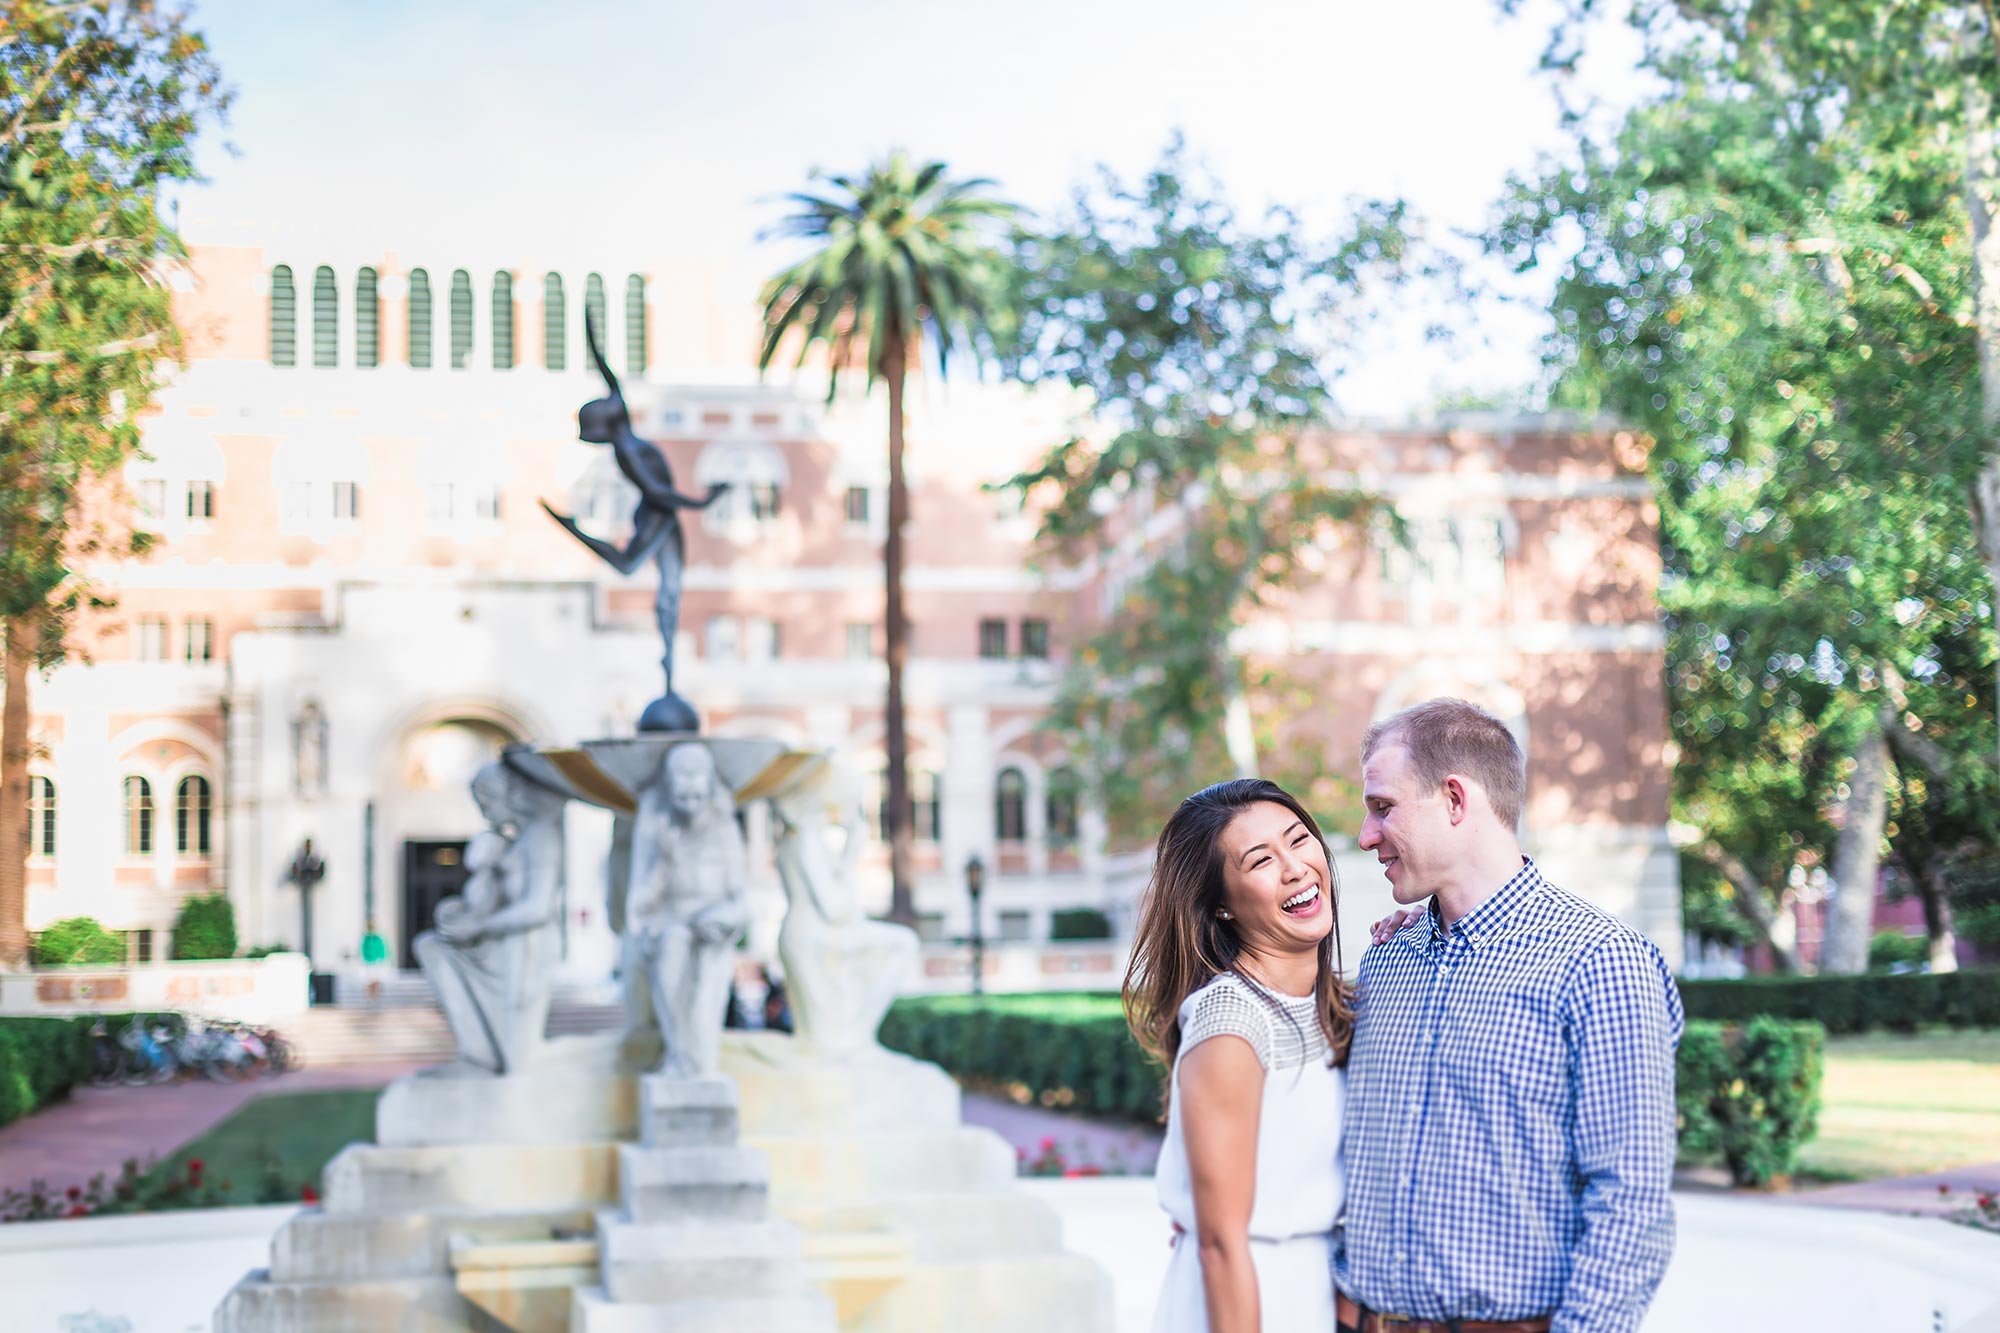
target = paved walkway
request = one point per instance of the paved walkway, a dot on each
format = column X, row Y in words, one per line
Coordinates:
column 1113, row 1148
column 96, row 1129
column 1941, row 1194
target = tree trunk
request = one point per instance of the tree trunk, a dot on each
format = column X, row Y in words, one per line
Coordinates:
column 1934, row 889
column 1779, row 929
column 19, row 653
column 896, row 651
column 1982, row 185
column 1857, row 858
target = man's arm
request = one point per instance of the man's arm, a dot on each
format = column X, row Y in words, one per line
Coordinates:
column 1622, row 1015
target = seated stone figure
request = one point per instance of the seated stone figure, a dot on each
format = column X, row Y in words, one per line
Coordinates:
column 492, row 954
column 842, row 968
column 684, row 909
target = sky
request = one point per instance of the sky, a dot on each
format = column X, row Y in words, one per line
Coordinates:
column 627, row 132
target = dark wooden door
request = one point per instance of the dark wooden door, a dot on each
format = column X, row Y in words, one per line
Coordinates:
column 432, row 872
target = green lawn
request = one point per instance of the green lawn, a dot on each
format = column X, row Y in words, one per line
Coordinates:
column 301, row 1130
column 1900, row 1106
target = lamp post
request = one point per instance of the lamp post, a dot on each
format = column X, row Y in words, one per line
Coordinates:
column 306, row 871
column 975, row 881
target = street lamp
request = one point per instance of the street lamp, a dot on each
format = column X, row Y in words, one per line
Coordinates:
column 975, row 880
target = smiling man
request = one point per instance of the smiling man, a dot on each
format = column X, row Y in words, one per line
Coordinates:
column 1509, row 1138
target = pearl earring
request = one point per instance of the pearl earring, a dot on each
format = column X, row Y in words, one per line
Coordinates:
column 1224, row 913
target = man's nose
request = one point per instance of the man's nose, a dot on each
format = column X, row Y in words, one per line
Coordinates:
column 1371, row 836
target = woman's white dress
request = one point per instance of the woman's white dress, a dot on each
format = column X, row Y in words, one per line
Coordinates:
column 1299, row 1185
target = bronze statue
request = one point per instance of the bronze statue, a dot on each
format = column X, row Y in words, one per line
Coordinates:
column 656, row 527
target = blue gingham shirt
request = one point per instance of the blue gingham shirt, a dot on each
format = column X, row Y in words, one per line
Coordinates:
column 1509, row 1139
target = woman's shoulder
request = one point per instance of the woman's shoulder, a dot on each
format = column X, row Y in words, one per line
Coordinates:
column 1226, row 1007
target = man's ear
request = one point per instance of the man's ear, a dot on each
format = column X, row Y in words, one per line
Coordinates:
column 1457, row 799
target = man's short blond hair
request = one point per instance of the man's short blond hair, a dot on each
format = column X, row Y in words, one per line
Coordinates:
column 1446, row 736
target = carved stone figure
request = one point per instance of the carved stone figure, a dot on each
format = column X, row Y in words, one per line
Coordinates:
column 656, row 527
column 309, row 751
column 492, row 954
column 684, row 909
column 842, row 968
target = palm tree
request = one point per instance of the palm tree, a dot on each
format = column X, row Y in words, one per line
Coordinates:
column 903, row 259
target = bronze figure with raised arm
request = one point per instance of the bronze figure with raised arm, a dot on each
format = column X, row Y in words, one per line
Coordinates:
column 656, row 527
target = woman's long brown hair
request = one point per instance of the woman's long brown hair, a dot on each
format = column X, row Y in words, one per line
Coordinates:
column 1181, row 944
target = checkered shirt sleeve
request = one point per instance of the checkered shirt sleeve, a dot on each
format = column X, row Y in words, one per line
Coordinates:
column 1509, row 1139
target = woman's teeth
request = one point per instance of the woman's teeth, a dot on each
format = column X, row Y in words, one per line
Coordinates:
column 1300, row 899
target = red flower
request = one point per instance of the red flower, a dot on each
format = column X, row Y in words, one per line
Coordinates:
column 307, row 1194
column 1986, row 1200
column 1943, row 1190
column 74, row 1193
column 79, row 1211
column 194, row 1165
column 1049, row 1143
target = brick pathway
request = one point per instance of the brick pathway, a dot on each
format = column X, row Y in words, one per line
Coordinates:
column 1117, row 1149
column 1912, row 1194
column 96, row 1129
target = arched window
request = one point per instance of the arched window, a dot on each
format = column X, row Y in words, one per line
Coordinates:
column 461, row 319
column 367, row 320
column 42, row 815
column 503, row 320
column 284, row 318
column 138, row 817
column 635, row 324
column 191, row 809
column 593, row 311
column 326, row 318
column 1010, row 806
column 420, row 319
column 555, row 347
column 1061, row 801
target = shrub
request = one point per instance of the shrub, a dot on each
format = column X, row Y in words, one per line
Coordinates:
column 1749, row 1095
column 1970, row 998
column 1892, row 948
column 205, row 927
column 1079, row 923
column 78, row 939
column 41, row 1059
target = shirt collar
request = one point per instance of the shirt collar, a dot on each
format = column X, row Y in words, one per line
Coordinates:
column 1485, row 924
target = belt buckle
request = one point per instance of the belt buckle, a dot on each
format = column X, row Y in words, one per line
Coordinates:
column 1395, row 1320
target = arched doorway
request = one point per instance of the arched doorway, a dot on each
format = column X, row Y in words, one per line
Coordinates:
column 431, row 814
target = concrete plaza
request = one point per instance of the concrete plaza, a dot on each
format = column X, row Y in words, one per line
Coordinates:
column 1742, row 1263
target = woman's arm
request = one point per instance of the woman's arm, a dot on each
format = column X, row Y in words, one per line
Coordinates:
column 1221, row 1088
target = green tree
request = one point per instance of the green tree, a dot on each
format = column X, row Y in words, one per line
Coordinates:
column 100, row 101
column 78, row 939
column 904, row 258
column 1777, row 290
column 1206, row 345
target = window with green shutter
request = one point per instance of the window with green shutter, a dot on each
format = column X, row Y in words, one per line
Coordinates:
column 593, row 311
column 461, row 319
column 555, row 348
column 367, row 319
column 284, row 318
column 503, row 320
column 326, row 318
column 420, row 319
column 635, row 324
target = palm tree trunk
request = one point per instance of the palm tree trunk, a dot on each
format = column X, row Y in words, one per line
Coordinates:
column 19, row 655
column 896, row 650
column 1857, row 859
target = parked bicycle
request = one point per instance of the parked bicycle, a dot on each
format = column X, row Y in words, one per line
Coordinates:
column 165, row 1047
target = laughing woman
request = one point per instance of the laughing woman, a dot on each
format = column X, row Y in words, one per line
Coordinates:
column 1235, row 985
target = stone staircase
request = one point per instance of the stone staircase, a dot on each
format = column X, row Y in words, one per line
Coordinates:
column 405, row 1026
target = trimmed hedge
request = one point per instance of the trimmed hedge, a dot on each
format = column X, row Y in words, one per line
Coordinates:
column 1847, row 1004
column 1749, row 1095
column 41, row 1059
column 1079, row 923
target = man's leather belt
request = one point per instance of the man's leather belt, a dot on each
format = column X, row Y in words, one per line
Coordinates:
column 1351, row 1316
